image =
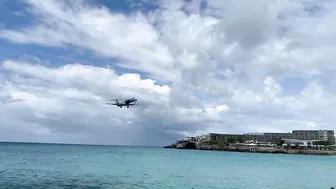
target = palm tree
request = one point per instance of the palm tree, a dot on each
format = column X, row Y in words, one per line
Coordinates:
column 297, row 146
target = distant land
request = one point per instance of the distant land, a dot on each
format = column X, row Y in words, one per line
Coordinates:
column 224, row 147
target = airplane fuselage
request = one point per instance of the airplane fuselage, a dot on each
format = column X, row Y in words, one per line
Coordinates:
column 126, row 103
column 120, row 105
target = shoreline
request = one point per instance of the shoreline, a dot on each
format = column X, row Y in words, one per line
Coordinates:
column 269, row 150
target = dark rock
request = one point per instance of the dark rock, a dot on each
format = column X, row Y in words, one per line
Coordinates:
column 183, row 145
column 190, row 145
column 171, row 146
column 186, row 145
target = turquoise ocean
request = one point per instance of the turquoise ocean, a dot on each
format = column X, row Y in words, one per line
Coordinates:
column 34, row 166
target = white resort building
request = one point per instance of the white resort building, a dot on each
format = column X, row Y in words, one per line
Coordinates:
column 304, row 144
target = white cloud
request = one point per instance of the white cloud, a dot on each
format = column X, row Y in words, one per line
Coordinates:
column 228, row 69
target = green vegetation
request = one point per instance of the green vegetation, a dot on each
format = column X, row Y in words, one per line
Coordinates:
column 281, row 143
column 230, row 140
column 216, row 142
column 324, row 143
column 240, row 141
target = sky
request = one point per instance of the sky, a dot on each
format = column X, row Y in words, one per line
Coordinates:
column 195, row 67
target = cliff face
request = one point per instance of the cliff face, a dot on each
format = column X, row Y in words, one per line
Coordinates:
column 205, row 146
column 184, row 145
column 199, row 146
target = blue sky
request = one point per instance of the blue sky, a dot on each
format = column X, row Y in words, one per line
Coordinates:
column 16, row 16
column 227, row 68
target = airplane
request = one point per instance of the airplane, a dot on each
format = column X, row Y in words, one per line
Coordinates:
column 128, row 102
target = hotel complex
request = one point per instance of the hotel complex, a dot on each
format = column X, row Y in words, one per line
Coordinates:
column 272, row 138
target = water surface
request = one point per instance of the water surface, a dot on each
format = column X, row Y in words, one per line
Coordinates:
column 84, row 166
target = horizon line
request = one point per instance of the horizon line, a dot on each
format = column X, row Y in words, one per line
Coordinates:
column 79, row 144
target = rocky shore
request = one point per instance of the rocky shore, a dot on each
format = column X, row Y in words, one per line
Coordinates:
column 223, row 147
